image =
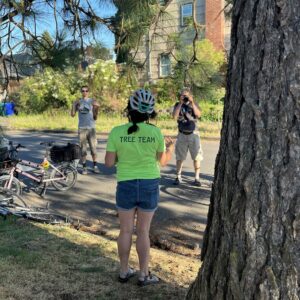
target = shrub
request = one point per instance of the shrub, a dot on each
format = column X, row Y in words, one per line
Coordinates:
column 211, row 112
column 51, row 89
column 111, row 85
column 205, row 75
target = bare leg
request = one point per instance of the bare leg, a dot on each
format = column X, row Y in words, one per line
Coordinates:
column 125, row 237
column 197, row 169
column 83, row 159
column 143, row 242
column 179, row 164
column 94, row 157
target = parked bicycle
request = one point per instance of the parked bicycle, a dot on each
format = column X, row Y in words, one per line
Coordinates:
column 13, row 204
column 60, row 170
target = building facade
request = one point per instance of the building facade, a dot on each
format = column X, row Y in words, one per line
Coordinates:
column 156, row 53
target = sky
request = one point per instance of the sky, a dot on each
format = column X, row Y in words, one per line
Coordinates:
column 101, row 8
column 105, row 35
column 46, row 22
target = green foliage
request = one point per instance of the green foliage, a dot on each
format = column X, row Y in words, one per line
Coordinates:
column 61, row 53
column 49, row 90
column 211, row 112
column 166, row 92
column 57, row 90
column 57, row 54
column 132, row 21
column 110, row 85
column 200, row 68
column 213, row 94
column 74, row 23
column 203, row 73
column 98, row 51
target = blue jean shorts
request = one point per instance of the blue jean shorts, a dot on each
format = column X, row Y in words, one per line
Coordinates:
column 138, row 193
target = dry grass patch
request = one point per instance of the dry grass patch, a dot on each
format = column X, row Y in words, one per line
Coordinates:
column 49, row 262
column 104, row 124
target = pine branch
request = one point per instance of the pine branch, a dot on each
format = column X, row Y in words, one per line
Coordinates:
column 15, row 12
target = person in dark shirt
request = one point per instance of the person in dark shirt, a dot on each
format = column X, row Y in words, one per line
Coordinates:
column 187, row 112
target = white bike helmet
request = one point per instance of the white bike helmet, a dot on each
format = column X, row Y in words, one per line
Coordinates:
column 142, row 101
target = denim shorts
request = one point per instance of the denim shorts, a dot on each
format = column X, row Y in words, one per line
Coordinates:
column 138, row 193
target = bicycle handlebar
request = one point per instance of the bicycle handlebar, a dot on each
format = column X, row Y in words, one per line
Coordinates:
column 49, row 144
column 15, row 148
column 20, row 146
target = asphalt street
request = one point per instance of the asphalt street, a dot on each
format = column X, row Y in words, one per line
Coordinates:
column 183, row 206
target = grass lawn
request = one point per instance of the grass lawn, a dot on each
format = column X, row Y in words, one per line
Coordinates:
column 63, row 121
column 40, row 261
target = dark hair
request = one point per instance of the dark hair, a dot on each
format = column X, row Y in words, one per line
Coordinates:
column 136, row 117
column 184, row 89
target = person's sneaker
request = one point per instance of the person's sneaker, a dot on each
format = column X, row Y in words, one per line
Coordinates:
column 177, row 181
column 124, row 277
column 84, row 171
column 96, row 169
column 197, row 182
column 147, row 280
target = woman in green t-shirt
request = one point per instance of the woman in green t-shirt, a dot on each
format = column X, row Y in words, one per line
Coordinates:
column 137, row 148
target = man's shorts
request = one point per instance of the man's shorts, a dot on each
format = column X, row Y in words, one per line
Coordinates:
column 87, row 135
column 142, row 194
column 188, row 142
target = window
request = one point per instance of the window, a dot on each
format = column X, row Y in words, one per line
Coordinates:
column 165, row 65
column 186, row 14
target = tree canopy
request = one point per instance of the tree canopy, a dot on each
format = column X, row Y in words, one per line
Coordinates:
column 80, row 21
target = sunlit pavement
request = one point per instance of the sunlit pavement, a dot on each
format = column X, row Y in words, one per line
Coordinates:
column 181, row 207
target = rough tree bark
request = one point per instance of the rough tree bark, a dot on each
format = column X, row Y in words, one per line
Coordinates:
column 251, row 247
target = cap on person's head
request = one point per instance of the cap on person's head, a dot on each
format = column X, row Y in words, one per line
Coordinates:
column 185, row 89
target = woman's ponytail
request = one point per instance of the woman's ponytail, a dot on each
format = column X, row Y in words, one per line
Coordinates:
column 133, row 128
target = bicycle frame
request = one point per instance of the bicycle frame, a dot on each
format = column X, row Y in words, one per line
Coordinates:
column 39, row 172
column 8, row 206
column 35, row 167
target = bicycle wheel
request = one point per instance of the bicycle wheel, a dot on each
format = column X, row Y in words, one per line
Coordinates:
column 10, row 198
column 6, row 196
column 15, row 184
column 44, row 216
column 66, row 183
column 11, row 203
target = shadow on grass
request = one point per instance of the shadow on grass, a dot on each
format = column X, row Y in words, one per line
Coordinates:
column 51, row 262
column 182, row 210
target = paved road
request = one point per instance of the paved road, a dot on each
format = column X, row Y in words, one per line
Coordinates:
column 93, row 195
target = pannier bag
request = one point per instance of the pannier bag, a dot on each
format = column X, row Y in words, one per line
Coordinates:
column 4, row 154
column 5, row 160
column 64, row 153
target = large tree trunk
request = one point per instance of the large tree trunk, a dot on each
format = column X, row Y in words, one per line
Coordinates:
column 251, row 247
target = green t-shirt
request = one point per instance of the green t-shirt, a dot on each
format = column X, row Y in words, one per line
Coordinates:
column 136, row 152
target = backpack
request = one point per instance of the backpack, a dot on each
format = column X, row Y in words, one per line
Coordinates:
column 65, row 153
column 186, row 120
column 4, row 154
